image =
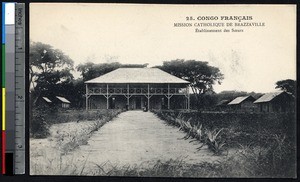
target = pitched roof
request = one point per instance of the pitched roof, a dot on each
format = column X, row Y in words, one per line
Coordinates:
column 64, row 100
column 223, row 102
column 47, row 100
column 268, row 97
column 239, row 100
column 137, row 75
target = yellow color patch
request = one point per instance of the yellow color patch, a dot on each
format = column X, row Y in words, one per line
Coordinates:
column 3, row 109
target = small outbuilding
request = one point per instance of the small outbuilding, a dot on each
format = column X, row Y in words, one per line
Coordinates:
column 222, row 105
column 244, row 103
column 62, row 102
column 280, row 101
column 43, row 102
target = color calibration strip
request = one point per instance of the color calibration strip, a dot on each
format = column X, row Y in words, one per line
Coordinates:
column 13, row 88
column 8, row 86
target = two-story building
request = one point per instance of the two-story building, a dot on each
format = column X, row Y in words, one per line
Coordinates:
column 137, row 88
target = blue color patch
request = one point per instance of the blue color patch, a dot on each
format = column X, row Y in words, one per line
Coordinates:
column 3, row 23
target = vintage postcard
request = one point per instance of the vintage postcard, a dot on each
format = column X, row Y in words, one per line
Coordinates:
column 157, row 90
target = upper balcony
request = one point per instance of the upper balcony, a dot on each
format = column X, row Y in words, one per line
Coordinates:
column 137, row 91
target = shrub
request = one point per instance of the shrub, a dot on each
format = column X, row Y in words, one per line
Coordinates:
column 39, row 128
column 43, row 118
column 268, row 140
column 214, row 141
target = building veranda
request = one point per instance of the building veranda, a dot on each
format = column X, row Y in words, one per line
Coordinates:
column 137, row 88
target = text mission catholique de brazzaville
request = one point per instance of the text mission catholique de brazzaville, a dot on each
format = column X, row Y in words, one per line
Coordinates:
column 237, row 24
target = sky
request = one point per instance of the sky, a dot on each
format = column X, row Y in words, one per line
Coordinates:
column 252, row 60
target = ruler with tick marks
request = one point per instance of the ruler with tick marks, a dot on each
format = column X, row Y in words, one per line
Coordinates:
column 19, row 157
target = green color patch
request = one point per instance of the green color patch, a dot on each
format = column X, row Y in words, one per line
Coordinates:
column 3, row 66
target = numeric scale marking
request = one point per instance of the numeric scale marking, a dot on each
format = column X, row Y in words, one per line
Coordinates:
column 20, row 89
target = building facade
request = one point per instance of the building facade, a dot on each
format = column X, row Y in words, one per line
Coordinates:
column 43, row 102
column 244, row 103
column 62, row 102
column 276, row 102
column 137, row 88
column 222, row 105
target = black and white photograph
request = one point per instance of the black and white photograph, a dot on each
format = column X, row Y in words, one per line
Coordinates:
column 162, row 90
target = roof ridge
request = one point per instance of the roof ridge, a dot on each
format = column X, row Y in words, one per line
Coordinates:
column 267, row 97
column 239, row 99
column 137, row 75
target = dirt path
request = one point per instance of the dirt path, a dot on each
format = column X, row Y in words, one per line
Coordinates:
column 137, row 137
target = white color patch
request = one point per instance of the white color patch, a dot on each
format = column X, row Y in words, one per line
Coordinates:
column 9, row 13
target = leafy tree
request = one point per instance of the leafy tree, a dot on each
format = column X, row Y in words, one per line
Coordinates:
column 287, row 85
column 201, row 76
column 230, row 94
column 91, row 70
column 75, row 91
column 208, row 100
column 134, row 65
column 49, row 69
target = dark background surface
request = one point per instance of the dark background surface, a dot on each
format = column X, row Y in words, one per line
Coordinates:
column 27, row 177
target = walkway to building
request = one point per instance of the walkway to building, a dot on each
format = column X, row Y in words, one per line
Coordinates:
column 136, row 137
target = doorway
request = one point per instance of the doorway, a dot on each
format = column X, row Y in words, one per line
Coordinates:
column 138, row 103
column 112, row 103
